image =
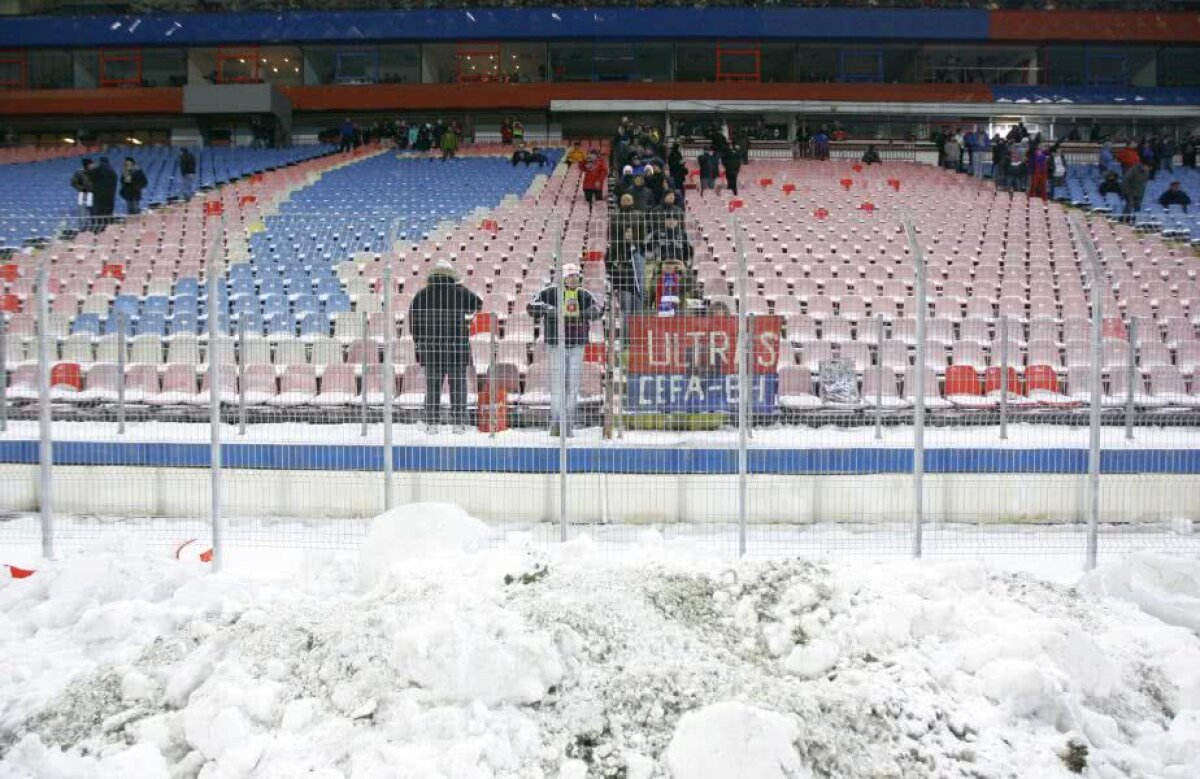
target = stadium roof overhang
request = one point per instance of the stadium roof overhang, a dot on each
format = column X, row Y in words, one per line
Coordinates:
column 826, row 107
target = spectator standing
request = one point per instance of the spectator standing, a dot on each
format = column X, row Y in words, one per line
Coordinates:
column 676, row 168
column 506, row 133
column 732, row 160
column 1039, row 173
column 518, row 131
column 576, row 155
column 820, row 143
column 1000, row 172
column 1175, row 196
column 595, row 173
column 187, row 172
column 710, row 170
column 1128, row 156
column 346, row 132
column 1107, row 160
column 871, row 156
column 951, row 152
column 449, row 144
column 1133, row 186
column 1166, row 154
column 104, row 192
column 133, row 182
column 1147, row 155
column 1188, row 151
column 81, row 182
column 579, row 310
column 626, row 261
column 439, row 325
column 1058, row 170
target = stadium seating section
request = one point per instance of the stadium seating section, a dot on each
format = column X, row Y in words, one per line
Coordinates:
column 301, row 250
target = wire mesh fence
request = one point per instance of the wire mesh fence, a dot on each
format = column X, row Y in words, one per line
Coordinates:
column 776, row 380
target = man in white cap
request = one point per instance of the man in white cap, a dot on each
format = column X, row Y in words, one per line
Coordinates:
column 439, row 323
column 579, row 310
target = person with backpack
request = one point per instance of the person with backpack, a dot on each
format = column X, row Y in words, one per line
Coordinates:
column 579, row 308
column 439, row 323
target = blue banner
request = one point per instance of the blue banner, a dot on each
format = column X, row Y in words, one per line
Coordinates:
column 694, row 393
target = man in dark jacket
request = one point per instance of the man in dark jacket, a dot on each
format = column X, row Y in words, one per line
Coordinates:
column 187, row 172
column 1175, row 196
column 732, row 160
column 104, row 192
column 438, row 321
column 133, row 182
column 710, row 169
column 81, row 182
column 1133, row 183
column 626, row 261
column 579, row 310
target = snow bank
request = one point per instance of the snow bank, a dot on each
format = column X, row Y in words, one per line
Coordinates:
column 1166, row 587
column 733, row 739
column 417, row 531
column 460, row 661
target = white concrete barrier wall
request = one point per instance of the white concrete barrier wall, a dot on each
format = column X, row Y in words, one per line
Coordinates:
column 618, row 498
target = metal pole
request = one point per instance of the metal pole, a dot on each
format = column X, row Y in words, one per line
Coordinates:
column 45, row 450
column 389, row 385
column 879, row 377
column 1003, row 378
column 1097, row 290
column 365, row 368
column 121, row 372
column 214, row 414
column 744, row 389
column 918, row 392
column 3, row 373
column 1130, row 378
column 493, row 355
column 241, row 363
column 563, row 422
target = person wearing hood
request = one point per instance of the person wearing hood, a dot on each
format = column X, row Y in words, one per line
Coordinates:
column 579, row 309
column 133, row 182
column 439, row 324
column 626, row 260
column 81, row 182
column 104, row 191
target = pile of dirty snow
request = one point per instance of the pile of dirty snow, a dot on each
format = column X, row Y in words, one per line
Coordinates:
column 439, row 654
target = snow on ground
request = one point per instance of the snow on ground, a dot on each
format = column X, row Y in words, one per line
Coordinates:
column 433, row 654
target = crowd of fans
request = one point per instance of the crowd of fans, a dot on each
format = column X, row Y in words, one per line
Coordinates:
column 1024, row 162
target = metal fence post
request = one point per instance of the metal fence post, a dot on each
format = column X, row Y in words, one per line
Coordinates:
column 3, row 373
column 1003, row 378
column 121, row 372
column 493, row 355
column 241, row 378
column 918, row 393
column 744, row 389
column 879, row 378
column 45, row 442
column 561, row 354
column 214, row 413
column 389, row 385
column 1093, row 490
column 365, row 368
column 1131, row 378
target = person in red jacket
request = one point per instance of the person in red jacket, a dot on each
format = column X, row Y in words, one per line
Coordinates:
column 595, row 173
column 1128, row 156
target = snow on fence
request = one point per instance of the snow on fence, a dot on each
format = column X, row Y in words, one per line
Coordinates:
column 769, row 391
